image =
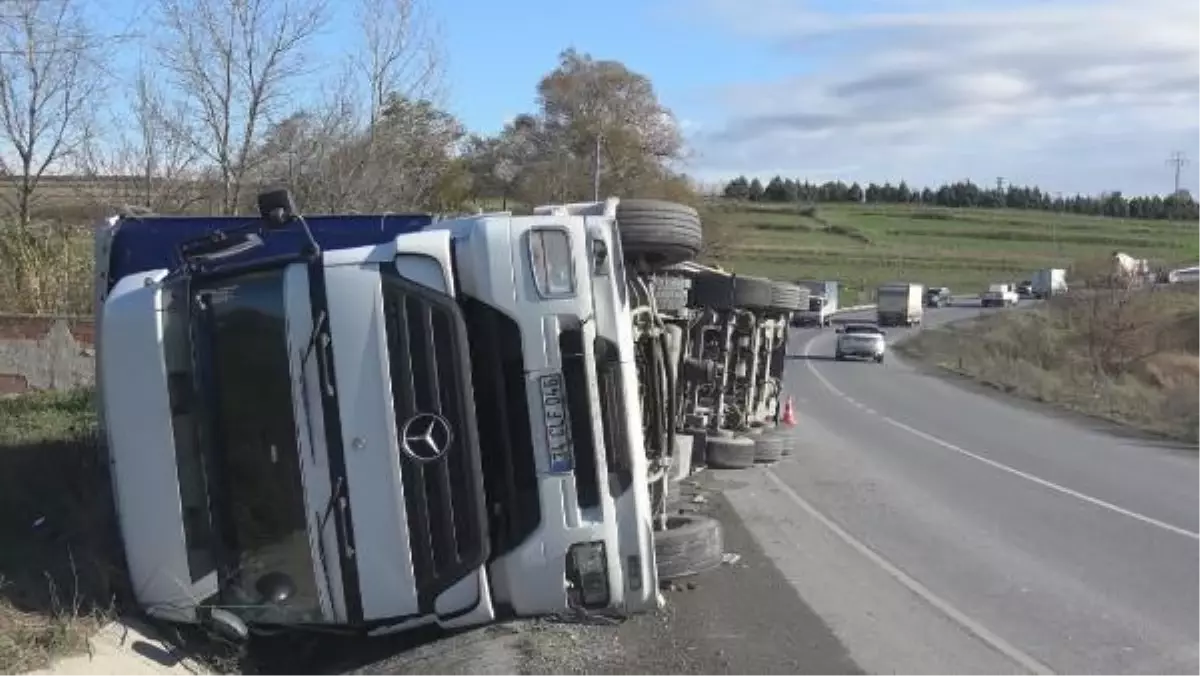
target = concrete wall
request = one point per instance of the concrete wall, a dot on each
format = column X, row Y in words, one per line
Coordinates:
column 45, row 353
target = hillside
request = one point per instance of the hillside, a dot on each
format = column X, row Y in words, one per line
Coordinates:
column 965, row 249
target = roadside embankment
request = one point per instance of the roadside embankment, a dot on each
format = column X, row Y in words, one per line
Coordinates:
column 1126, row 355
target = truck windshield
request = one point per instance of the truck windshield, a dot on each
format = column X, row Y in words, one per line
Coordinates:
column 252, row 466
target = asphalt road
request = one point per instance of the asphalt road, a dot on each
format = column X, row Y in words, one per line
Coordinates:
column 938, row 527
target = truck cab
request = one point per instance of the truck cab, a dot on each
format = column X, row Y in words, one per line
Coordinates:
column 374, row 422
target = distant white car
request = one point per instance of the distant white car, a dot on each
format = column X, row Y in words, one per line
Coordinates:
column 861, row 341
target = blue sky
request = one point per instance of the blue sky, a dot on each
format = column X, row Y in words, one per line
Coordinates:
column 1073, row 95
column 1077, row 95
column 688, row 61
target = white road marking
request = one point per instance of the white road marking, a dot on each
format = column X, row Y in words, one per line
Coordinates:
column 998, row 465
column 978, row 630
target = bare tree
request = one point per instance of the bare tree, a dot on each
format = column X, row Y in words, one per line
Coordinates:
column 149, row 160
column 309, row 151
column 46, row 76
column 232, row 62
column 400, row 53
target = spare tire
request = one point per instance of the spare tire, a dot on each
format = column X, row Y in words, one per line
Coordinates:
column 712, row 291
column 660, row 233
column 671, row 293
column 691, row 544
column 768, row 447
column 752, row 292
column 786, row 297
column 729, row 452
column 786, row 439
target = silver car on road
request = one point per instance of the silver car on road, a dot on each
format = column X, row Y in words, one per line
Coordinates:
column 862, row 341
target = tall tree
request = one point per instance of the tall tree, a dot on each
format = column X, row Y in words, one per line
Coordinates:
column 47, row 77
column 148, row 161
column 756, row 190
column 591, row 106
column 399, row 53
column 232, row 62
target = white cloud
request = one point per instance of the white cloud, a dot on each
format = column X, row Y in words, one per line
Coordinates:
column 1071, row 95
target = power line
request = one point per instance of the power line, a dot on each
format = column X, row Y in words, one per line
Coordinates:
column 1178, row 160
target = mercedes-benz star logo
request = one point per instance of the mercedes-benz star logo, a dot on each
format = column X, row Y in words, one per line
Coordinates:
column 426, row 437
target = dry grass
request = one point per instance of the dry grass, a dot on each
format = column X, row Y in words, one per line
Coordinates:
column 45, row 269
column 1128, row 356
column 61, row 574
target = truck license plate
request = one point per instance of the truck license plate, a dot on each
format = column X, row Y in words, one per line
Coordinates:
column 558, row 439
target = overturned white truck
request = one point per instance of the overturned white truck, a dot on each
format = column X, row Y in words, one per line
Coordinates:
column 373, row 423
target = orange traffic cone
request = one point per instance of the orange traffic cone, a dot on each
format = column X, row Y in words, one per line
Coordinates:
column 789, row 413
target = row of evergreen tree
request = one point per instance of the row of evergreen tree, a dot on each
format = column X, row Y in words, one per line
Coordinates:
column 1179, row 206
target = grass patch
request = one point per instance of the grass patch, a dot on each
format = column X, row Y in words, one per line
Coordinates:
column 1126, row 356
column 61, row 573
column 864, row 245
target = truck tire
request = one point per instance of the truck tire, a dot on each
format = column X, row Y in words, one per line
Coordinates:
column 784, row 438
column 752, row 292
column 712, row 291
column 690, row 545
column 729, row 452
column 768, row 447
column 657, row 232
column 671, row 293
column 785, row 297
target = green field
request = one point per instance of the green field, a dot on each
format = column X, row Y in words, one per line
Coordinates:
column 863, row 245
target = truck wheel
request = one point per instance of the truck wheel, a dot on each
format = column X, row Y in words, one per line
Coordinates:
column 660, row 233
column 712, row 291
column 785, row 297
column 729, row 452
column 768, row 447
column 752, row 292
column 671, row 293
column 785, row 442
column 783, row 437
column 691, row 544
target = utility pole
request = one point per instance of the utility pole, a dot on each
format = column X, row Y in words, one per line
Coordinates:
column 596, row 171
column 1000, row 191
column 1177, row 160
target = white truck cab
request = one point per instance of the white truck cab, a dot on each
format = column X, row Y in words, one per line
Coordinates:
column 376, row 422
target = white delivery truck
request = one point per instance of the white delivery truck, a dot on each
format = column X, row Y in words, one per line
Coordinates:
column 900, row 304
column 822, row 303
column 1000, row 294
column 1049, row 282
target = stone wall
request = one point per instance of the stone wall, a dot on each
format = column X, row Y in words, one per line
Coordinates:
column 45, row 353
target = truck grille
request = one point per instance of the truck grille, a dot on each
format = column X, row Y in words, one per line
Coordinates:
column 443, row 494
column 505, row 428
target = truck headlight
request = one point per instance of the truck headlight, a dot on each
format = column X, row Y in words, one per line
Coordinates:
column 551, row 262
column 587, row 571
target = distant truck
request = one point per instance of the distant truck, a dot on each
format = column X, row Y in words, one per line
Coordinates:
column 900, row 304
column 822, row 303
column 1049, row 282
column 999, row 295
